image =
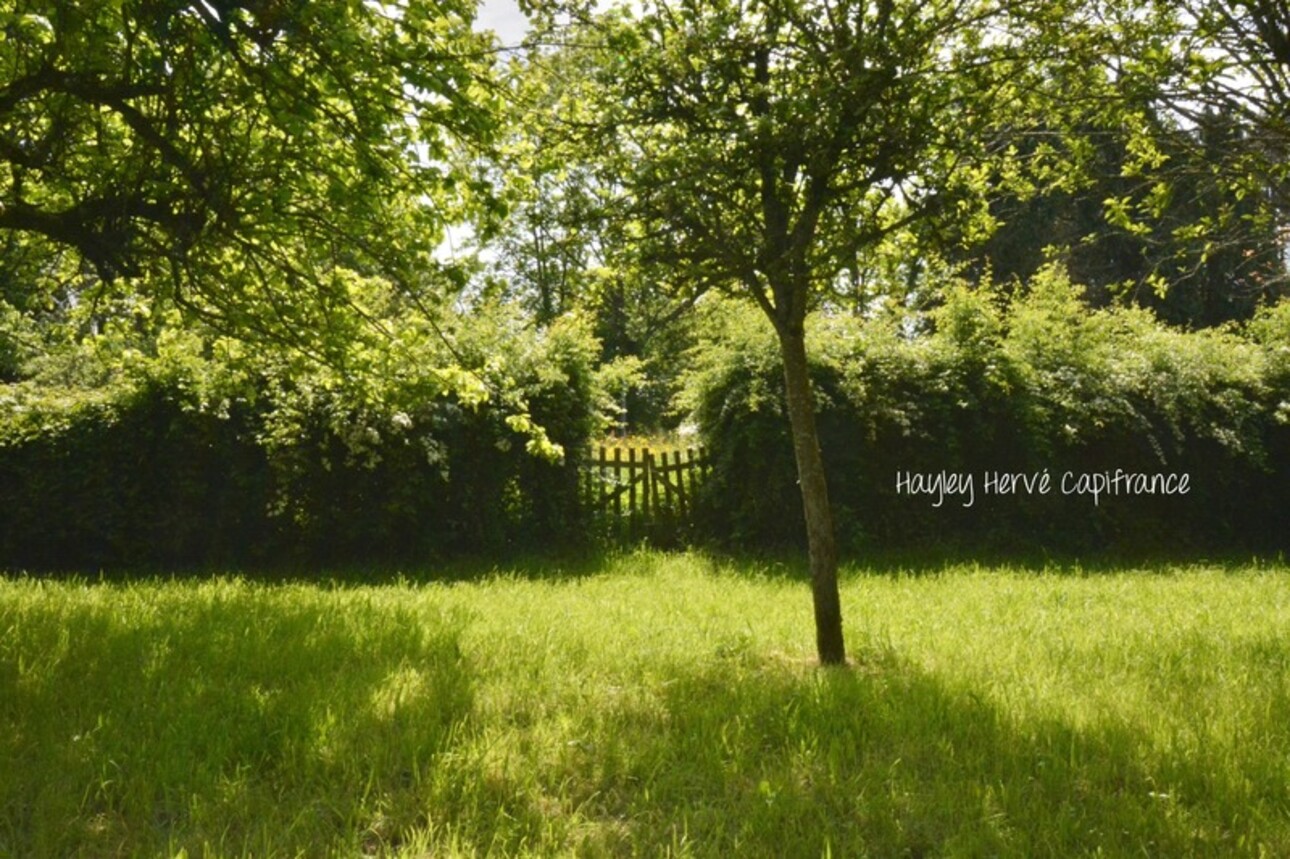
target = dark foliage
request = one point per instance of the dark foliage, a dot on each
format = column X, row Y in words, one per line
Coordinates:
column 144, row 477
column 1038, row 386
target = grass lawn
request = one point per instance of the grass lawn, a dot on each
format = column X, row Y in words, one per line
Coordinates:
column 666, row 704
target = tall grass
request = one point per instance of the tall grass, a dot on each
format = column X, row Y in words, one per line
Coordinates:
column 664, row 705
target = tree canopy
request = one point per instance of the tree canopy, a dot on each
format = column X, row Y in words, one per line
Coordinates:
column 230, row 155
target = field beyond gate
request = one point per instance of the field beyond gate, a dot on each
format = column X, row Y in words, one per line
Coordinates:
column 642, row 493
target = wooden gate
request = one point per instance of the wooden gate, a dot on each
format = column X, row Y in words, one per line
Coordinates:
column 638, row 493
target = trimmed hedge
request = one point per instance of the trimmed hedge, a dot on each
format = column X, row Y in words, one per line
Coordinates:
column 130, row 478
column 986, row 385
column 166, row 469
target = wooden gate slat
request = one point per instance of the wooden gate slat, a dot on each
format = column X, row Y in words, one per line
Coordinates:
column 682, row 506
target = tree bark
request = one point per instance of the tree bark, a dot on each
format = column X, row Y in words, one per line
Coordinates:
column 821, row 542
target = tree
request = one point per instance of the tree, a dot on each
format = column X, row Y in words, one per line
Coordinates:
column 1236, row 63
column 232, row 155
column 557, row 251
column 1205, row 174
column 1199, row 252
column 761, row 146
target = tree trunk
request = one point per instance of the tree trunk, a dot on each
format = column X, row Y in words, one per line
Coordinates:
column 821, row 543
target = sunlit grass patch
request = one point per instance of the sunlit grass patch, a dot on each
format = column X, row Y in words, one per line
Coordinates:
column 667, row 705
column 224, row 715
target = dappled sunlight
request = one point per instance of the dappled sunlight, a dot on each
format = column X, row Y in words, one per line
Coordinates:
column 223, row 714
column 666, row 705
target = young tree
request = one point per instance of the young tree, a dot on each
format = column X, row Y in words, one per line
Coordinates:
column 762, row 145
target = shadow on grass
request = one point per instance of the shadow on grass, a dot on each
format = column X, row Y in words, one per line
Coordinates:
column 257, row 723
column 245, row 723
column 765, row 758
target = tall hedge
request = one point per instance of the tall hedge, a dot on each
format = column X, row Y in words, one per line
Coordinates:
column 987, row 384
column 184, row 462
column 128, row 476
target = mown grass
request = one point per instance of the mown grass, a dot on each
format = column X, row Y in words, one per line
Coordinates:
column 664, row 705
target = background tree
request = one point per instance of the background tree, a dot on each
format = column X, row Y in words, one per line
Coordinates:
column 1196, row 250
column 1235, row 61
column 558, row 251
column 1200, row 200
